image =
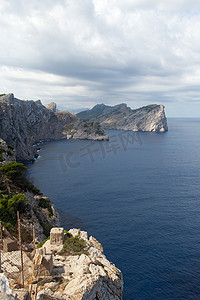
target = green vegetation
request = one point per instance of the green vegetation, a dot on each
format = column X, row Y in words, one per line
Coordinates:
column 1, row 152
column 9, row 152
column 10, row 147
column 9, row 205
column 15, row 172
column 45, row 203
column 68, row 233
column 13, row 184
column 2, row 95
column 74, row 246
column 42, row 243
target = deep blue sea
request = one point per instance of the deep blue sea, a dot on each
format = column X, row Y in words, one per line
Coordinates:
column 139, row 195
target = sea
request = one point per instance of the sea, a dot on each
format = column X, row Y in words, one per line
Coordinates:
column 139, row 195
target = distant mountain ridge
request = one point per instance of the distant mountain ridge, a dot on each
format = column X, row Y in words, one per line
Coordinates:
column 147, row 118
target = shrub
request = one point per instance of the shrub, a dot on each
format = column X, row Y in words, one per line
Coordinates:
column 9, row 207
column 68, row 233
column 16, row 173
column 74, row 246
column 9, row 152
column 13, row 170
column 2, row 150
column 10, row 147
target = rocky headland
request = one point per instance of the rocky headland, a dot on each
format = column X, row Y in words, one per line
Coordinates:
column 25, row 123
column 147, row 118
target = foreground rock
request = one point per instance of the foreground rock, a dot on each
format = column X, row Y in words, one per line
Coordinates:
column 25, row 123
column 5, row 291
column 147, row 118
column 87, row 276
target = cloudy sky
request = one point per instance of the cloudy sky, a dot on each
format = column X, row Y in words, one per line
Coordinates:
column 82, row 52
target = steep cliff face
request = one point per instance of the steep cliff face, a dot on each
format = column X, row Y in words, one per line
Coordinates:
column 147, row 118
column 25, row 123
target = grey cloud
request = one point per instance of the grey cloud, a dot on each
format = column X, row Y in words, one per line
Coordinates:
column 132, row 50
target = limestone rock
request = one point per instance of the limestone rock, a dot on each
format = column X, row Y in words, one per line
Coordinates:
column 42, row 264
column 96, row 244
column 57, row 236
column 21, row 294
column 5, row 290
column 147, row 118
column 51, row 106
column 88, row 276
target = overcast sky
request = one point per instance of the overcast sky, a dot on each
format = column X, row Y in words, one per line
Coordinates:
column 82, row 52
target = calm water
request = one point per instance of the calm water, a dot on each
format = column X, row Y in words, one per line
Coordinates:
column 140, row 196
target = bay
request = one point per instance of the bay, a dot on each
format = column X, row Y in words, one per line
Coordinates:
column 139, row 195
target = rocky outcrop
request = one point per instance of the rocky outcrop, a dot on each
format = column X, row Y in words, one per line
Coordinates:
column 51, row 106
column 87, row 276
column 147, row 118
column 5, row 290
column 25, row 123
column 84, row 130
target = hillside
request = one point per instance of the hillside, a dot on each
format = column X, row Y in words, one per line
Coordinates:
column 17, row 193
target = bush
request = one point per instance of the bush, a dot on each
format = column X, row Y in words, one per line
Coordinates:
column 68, row 233
column 74, row 246
column 2, row 150
column 13, row 170
column 9, row 153
column 16, row 173
column 9, row 207
column 10, row 147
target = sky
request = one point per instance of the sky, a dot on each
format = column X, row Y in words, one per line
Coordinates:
column 78, row 53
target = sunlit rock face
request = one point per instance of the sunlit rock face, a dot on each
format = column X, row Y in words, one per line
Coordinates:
column 147, row 118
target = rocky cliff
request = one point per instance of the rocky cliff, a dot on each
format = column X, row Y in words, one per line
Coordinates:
column 84, row 276
column 35, row 207
column 147, row 118
column 25, row 123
